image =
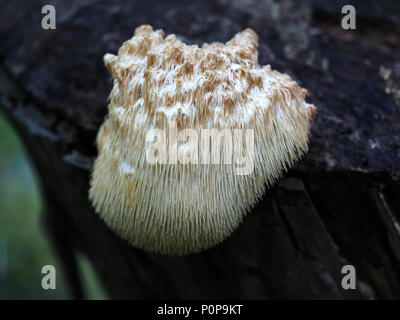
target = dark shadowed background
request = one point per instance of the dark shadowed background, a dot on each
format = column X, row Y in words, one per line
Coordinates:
column 339, row 205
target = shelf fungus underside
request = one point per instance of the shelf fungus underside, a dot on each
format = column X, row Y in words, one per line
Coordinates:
column 178, row 207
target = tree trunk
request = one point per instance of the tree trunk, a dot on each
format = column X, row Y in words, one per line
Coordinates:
column 338, row 206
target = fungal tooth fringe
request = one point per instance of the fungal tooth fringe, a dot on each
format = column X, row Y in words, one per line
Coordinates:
column 186, row 208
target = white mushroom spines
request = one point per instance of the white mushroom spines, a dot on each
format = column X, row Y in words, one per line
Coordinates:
column 175, row 207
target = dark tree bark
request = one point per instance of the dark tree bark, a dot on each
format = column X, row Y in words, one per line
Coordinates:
column 340, row 205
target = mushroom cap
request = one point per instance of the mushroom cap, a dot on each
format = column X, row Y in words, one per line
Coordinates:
column 185, row 208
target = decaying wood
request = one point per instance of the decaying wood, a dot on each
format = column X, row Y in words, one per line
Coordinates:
column 340, row 205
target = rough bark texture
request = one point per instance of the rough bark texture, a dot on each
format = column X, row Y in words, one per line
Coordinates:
column 340, row 205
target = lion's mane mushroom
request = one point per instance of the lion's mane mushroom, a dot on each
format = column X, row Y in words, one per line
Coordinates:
column 185, row 208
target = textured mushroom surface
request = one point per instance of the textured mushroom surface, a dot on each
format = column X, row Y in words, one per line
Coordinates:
column 181, row 208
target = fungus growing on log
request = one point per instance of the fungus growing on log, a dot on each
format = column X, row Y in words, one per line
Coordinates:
column 193, row 137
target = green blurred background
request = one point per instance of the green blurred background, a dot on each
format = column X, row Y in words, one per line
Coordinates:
column 24, row 247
